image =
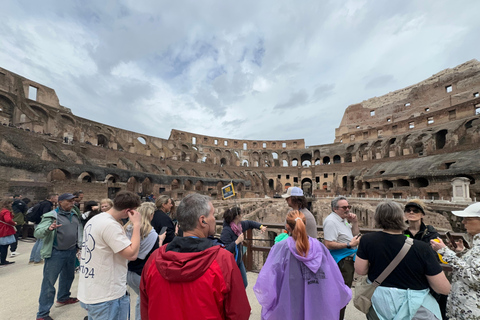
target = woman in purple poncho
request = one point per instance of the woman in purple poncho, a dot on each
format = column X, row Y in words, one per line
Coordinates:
column 300, row 279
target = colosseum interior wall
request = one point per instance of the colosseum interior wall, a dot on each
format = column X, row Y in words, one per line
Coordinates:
column 409, row 143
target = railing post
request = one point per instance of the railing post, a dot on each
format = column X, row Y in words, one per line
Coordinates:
column 249, row 253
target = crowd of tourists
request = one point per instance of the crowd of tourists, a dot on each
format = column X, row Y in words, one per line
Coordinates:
column 171, row 258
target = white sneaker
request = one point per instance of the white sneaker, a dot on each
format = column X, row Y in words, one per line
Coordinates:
column 14, row 254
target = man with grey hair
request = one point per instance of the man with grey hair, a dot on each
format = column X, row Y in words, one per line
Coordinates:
column 341, row 237
column 191, row 278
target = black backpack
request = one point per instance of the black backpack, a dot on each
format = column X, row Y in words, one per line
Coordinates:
column 34, row 214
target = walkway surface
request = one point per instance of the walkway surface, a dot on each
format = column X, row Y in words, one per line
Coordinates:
column 20, row 288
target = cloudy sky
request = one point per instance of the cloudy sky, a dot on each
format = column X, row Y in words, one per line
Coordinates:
column 265, row 70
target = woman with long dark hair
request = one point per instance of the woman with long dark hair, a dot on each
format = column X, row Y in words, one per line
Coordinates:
column 300, row 279
column 232, row 235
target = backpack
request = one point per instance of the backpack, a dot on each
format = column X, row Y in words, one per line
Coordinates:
column 34, row 214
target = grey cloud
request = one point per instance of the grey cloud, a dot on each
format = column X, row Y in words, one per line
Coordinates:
column 296, row 99
column 322, row 92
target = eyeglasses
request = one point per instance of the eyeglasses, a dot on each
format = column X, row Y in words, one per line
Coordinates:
column 414, row 210
column 345, row 207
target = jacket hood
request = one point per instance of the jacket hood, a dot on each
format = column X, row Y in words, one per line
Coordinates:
column 314, row 258
column 185, row 258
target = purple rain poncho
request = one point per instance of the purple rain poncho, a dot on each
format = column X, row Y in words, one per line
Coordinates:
column 290, row 286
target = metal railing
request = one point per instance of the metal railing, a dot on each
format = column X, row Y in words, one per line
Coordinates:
column 257, row 249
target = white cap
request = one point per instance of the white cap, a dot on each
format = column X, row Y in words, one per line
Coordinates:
column 472, row 210
column 293, row 191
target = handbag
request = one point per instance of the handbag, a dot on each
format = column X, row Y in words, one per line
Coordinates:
column 9, row 225
column 364, row 290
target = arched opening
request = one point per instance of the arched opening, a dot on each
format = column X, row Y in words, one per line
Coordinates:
column 102, row 141
column 270, row 184
column 306, row 157
column 287, row 185
column 307, row 186
column 441, row 139
column 348, row 157
column 344, row 182
column 326, row 160
column 294, row 162
column 175, row 184
column 111, row 178
column 188, row 185
column 132, row 185
column 58, row 175
column 336, row 159
column 199, row 186
column 418, row 148
column 245, row 163
column 86, row 177
column 223, row 161
column 274, row 155
column 147, row 187
column 255, row 163
column 403, row 183
column 367, row 185
column 306, row 163
column 387, row 184
column 422, row 183
column 325, row 186
column 142, row 140
column 284, row 163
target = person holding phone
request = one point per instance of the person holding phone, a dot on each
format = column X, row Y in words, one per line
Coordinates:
column 102, row 287
column 149, row 242
column 161, row 219
column 61, row 231
column 464, row 297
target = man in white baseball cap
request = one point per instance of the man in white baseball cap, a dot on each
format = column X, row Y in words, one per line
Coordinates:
column 296, row 200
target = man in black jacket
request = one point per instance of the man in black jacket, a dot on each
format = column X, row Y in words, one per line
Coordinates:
column 45, row 206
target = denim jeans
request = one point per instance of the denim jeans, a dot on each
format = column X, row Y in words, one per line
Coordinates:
column 133, row 281
column 61, row 263
column 35, row 254
column 118, row 309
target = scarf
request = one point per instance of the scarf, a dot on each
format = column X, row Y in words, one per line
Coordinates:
column 236, row 228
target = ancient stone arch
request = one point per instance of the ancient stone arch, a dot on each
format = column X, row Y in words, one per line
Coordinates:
column 58, row 175
column 86, row 177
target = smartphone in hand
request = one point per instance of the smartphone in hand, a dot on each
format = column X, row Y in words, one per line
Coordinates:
column 451, row 239
column 162, row 231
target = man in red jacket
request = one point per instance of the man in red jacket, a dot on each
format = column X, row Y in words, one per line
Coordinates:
column 191, row 278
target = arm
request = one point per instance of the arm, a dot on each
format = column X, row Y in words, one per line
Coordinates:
column 468, row 272
column 439, row 283
column 333, row 245
column 249, row 224
column 46, row 226
column 361, row 266
column 131, row 252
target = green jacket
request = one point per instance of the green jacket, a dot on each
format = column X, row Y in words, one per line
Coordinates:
column 42, row 232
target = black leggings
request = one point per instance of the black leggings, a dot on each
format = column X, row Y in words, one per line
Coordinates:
column 3, row 253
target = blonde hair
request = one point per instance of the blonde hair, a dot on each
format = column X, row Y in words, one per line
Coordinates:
column 296, row 220
column 146, row 209
column 108, row 201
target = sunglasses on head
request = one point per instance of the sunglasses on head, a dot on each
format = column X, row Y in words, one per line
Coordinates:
column 414, row 210
column 345, row 207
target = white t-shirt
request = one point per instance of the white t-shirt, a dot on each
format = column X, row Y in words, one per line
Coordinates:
column 103, row 272
column 337, row 229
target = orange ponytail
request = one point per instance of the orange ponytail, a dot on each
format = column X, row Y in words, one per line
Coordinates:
column 296, row 220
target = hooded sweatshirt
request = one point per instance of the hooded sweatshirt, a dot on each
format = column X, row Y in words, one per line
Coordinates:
column 291, row 286
column 190, row 278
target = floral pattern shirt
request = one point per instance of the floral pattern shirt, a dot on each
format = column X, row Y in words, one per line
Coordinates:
column 464, row 298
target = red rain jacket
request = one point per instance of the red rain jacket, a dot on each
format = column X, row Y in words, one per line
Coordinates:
column 191, row 279
column 6, row 230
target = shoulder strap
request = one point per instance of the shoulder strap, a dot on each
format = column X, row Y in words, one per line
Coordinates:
column 407, row 245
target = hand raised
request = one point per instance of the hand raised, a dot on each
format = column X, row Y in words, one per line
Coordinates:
column 54, row 225
column 135, row 217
